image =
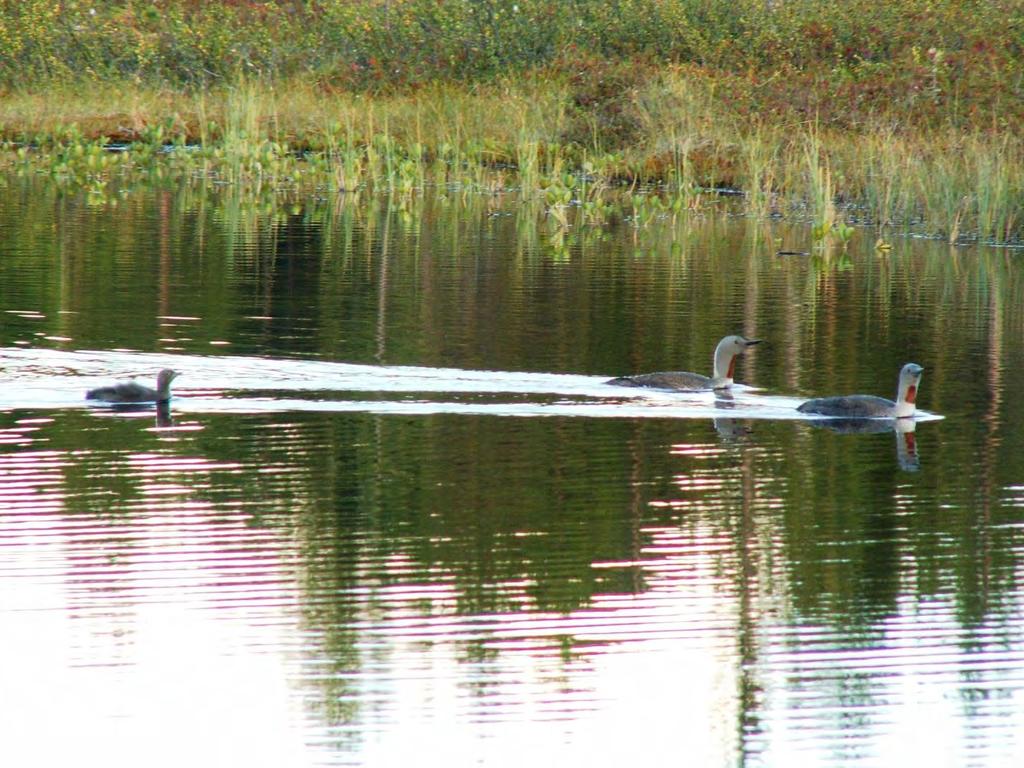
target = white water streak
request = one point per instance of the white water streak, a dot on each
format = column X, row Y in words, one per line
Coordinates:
column 46, row 378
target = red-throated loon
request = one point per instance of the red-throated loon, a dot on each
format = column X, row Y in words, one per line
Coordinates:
column 869, row 406
column 133, row 392
column 725, row 363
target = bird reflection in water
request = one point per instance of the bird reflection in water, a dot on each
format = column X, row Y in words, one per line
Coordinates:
column 729, row 428
column 906, row 442
column 161, row 412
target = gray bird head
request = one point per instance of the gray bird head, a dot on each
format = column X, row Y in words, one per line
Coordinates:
column 166, row 376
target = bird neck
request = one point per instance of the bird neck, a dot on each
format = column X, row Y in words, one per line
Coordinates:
column 725, row 366
column 906, row 399
column 163, row 390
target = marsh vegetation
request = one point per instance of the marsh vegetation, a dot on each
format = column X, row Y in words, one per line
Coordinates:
column 903, row 118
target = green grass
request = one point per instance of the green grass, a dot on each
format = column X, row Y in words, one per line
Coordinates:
column 902, row 116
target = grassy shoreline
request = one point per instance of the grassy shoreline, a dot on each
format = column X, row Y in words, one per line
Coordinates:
column 905, row 116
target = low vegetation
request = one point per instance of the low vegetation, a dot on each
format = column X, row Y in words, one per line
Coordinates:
column 903, row 115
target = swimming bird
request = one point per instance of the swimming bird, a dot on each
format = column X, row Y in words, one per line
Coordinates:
column 721, row 378
column 133, row 392
column 869, row 406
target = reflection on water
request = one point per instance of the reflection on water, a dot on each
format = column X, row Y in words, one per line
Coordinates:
column 338, row 547
column 904, row 429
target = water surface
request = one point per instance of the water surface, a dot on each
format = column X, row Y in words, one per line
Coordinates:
column 395, row 517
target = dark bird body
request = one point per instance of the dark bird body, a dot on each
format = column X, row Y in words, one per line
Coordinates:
column 133, row 392
column 869, row 406
column 680, row 380
column 684, row 381
column 850, row 406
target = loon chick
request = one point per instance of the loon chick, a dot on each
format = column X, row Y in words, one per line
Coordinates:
column 869, row 406
column 725, row 363
column 132, row 392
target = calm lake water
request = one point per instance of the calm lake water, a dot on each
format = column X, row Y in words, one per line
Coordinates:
column 394, row 517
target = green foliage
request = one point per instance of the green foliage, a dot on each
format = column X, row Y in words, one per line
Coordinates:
column 932, row 59
column 916, row 105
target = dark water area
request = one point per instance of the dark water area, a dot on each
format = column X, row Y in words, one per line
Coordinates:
column 393, row 516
